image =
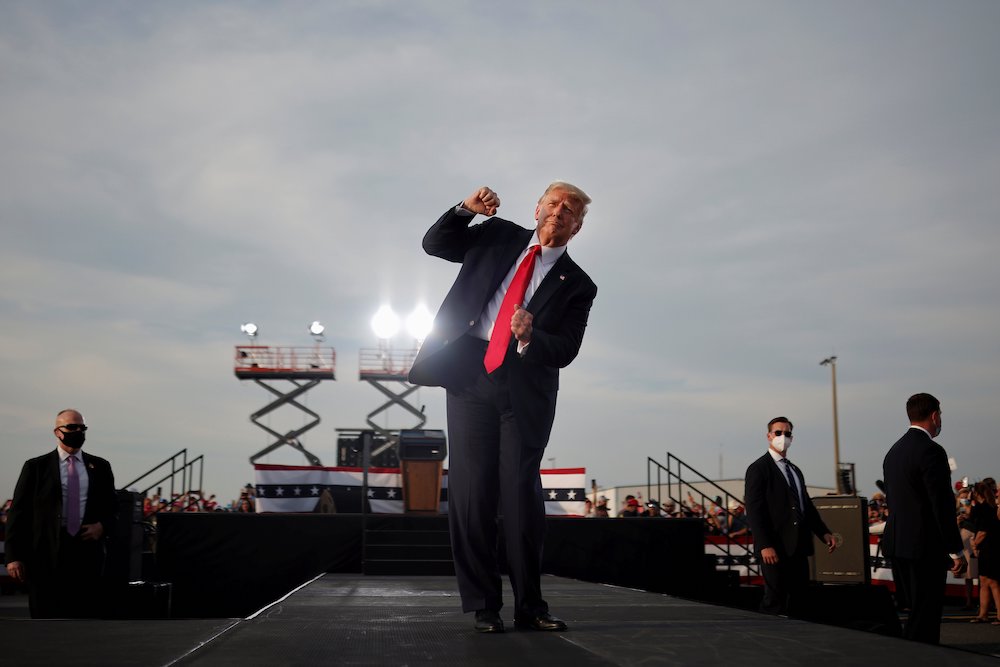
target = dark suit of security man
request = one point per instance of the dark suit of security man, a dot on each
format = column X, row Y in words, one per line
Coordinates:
column 921, row 535
column 783, row 520
column 62, row 566
column 499, row 422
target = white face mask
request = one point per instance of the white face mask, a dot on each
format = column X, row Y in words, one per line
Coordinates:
column 781, row 443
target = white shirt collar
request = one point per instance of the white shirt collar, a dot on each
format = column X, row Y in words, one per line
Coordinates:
column 63, row 455
column 549, row 255
column 921, row 428
column 778, row 458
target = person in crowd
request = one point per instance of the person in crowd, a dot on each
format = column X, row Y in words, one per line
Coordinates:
column 986, row 547
column 601, row 508
column 514, row 317
column 670, row 509
column 631, row 508
column 652, row 509
column 921, row 535
column 588, row 508
column 736, row 520
column 63, row 511
column 782, row 518
column 967, row 529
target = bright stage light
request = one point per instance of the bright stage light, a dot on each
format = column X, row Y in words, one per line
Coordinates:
column 419, row 322
column 385, row 323
column 249, row 328
column 316, row 329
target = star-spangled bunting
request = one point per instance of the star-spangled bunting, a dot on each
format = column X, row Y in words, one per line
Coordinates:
column 299, row 489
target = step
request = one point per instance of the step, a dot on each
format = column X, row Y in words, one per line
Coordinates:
column 407, row 552
column 406, row 522
column 408, row 537
column 409, row 568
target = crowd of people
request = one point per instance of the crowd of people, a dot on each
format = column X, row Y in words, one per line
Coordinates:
column 721, row 518
column 197, row 501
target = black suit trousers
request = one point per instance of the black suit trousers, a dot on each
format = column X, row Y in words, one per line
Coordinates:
column 921, row 582
column 75, row 589
column 490, row 469
column 785, row 585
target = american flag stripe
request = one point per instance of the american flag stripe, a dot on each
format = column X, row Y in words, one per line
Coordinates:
column 299, row 488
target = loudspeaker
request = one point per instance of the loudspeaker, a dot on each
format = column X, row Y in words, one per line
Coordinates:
column 422, row 445
column 847, row 519
column 124, row 561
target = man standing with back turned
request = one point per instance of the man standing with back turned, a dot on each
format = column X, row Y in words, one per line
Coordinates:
column 515, row 315
column 921, row 536
column 783, row 520
column 63, row 511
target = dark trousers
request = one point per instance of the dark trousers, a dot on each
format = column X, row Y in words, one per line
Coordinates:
column 490, row 469
column 74, row 589
column 922, row 581
column 785, row 584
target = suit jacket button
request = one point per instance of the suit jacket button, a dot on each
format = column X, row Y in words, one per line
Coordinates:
column 472, row 323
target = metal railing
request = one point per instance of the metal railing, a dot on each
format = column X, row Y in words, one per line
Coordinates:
column 174, row 467
column 679, row 486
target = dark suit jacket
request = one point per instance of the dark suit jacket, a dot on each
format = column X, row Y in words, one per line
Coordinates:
column 34, row 520
column 920, row 499
column 771, row 510
column 560, row 307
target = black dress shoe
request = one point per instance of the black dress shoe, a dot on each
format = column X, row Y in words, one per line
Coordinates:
column 488, row 620
column 544, row 622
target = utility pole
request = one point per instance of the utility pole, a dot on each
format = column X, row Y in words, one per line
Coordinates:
column 832, row 363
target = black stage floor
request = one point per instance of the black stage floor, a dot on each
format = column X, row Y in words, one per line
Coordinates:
column 342, row 619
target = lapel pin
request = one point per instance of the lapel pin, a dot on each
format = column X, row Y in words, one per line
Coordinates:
column 562, row 276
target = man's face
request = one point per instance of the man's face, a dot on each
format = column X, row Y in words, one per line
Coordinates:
column 69, row 422
column 559, row 216
column 779, row 427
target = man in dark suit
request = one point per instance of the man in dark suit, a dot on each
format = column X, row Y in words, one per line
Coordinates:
column 783, row 520
column 921, row 536
column 55, row 545
column 501, row 384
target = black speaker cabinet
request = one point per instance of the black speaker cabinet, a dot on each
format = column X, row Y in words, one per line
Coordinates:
column 422, row 445
column 124, row 559
column 847, row 519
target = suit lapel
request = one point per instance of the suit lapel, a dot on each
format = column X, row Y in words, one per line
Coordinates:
column 553, row 281
column 52, row 473
column 507, row 257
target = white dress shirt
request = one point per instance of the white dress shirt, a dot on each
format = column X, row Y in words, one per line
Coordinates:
column 543, row 264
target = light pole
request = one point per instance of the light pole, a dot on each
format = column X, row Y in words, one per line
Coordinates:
column 832, row 363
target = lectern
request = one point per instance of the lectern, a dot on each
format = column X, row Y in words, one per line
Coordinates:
column 421, row 455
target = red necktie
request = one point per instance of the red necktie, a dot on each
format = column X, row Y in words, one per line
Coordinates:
column 72, row 497
column 500, row 338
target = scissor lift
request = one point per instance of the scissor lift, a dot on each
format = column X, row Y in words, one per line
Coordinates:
column 303, row 367
column 386, row 370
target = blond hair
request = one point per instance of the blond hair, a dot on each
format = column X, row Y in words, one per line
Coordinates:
column 574, row 191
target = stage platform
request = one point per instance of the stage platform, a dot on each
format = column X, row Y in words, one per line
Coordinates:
column 347, row 619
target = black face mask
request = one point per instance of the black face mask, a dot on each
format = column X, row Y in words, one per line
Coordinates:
column 74, row 439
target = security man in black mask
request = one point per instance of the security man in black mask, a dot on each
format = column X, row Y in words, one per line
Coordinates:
column 60, row 519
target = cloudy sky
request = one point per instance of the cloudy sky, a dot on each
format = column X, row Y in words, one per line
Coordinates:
column 773, row 183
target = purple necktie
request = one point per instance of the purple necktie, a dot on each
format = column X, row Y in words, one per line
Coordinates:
column 72, row 497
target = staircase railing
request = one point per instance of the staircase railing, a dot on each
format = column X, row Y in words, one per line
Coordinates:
column 179, row 472
column 677, row 481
